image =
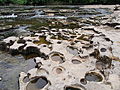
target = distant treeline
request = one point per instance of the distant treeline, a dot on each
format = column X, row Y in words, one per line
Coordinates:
column 48, row 2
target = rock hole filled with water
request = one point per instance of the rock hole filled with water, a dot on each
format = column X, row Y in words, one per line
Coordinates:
column 93, row 76
column 37, row 83
column 75, row 61
column 83, row 81
column 103, row 50
column 58, row 58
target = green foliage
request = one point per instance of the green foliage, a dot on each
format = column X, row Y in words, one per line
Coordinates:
column 42, row 2
column 2, row 1
column 19, row 1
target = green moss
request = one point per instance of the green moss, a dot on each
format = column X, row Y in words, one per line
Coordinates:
column 42, row 41
column 93, row 76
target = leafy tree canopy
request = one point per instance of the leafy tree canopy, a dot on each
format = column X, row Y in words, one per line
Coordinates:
column 42, row 2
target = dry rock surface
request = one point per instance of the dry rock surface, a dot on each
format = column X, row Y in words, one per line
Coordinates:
column 86, row 57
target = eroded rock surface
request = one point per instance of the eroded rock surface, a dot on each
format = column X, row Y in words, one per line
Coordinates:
column 84, row 57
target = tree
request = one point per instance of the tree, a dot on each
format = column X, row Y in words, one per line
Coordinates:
column 19, row 1
column 3, row 1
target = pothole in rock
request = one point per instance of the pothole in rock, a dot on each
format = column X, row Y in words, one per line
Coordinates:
column 75, row 87
column 72, row 50
column 59, row 42
column 58, row 58
column 93, row 76
column 58, row 70
column 37, row 83
column 103, row 50
column 83, row 81
column 59, row 37
column 75, row 61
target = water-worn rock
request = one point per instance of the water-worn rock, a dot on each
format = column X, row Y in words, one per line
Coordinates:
column 83, row 57
column 65, row 58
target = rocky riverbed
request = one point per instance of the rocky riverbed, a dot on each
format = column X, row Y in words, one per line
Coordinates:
column 60, row 48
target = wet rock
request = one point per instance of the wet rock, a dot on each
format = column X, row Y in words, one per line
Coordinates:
column 30, row 50
column 15, row 48
column 83, row 81
column 3, row 46
column 1, row 37
column 6, row 28
column 14, row 52
column 64, row 55
column 103, row 62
